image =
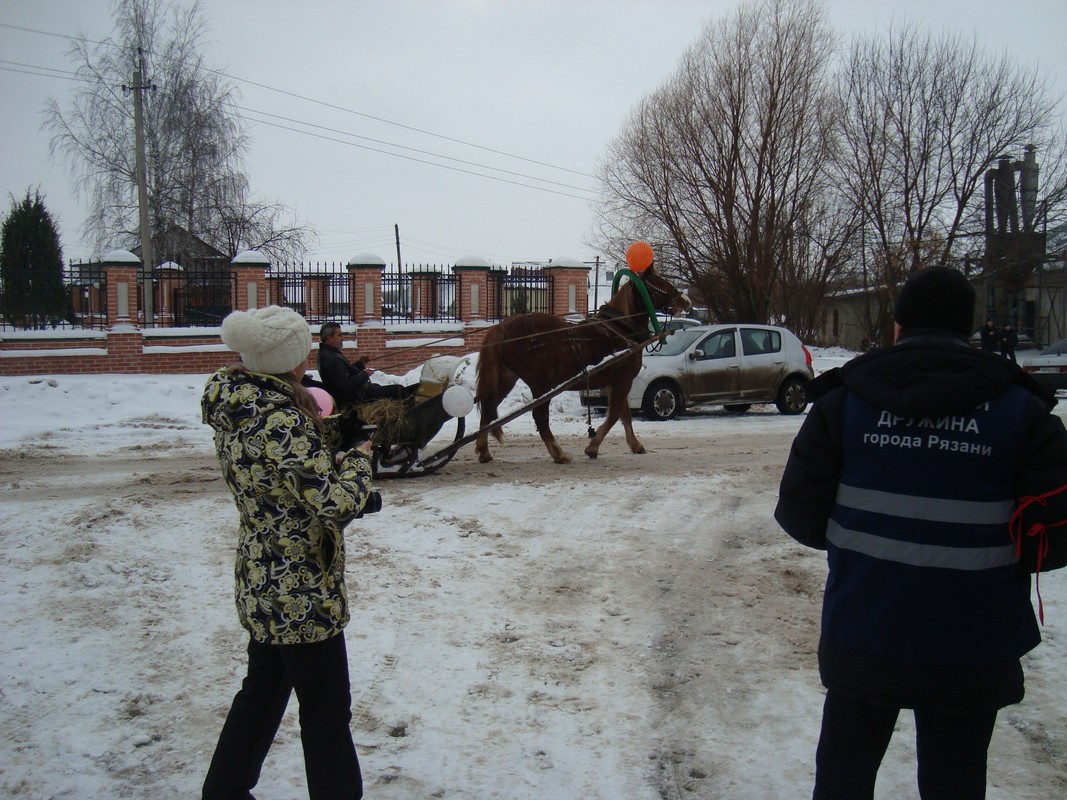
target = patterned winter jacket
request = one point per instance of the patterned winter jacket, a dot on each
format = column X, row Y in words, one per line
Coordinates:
column 293, row 502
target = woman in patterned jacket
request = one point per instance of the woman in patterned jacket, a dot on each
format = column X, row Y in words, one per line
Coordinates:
column 295, row 494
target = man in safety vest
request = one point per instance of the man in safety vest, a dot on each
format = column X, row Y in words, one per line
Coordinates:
column 931, row 473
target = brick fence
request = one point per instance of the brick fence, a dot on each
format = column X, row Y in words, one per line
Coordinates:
column 126, row 347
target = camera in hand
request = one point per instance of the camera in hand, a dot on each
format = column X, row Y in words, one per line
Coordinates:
column 373, row 504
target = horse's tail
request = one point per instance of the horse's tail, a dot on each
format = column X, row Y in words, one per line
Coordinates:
column 487, row 388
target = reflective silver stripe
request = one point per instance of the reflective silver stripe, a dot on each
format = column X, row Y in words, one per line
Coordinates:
column 931, row 509
column 920, row 555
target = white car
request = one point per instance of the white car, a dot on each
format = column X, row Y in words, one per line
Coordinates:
column 1049, row 366
column 736, row 366
column 675, row 323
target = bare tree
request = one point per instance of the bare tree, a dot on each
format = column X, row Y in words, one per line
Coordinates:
column 725, row 169
column 924, row 119
column 194, row 139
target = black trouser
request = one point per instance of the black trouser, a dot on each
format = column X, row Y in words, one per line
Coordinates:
column 951, row 751
column 319, row 675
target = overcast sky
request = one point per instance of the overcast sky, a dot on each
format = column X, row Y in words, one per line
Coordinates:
column 538, row 88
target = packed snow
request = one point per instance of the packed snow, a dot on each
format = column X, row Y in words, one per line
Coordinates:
column 633, row 627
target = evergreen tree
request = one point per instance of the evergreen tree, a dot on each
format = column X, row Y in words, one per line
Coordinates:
column 31, row 265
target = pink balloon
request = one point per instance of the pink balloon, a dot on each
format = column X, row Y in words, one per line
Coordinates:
column 323, row 398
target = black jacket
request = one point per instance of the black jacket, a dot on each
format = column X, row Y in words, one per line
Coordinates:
column 1009, row 340
column 990, row 337
column 347, row 382
column 907, row 470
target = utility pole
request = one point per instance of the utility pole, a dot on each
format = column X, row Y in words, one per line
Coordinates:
column 596, row 288
column 142, row 187
column 396, row 227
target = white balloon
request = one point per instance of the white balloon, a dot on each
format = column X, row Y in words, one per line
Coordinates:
column 457, row 401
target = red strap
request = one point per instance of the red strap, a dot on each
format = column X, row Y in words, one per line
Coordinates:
column 1038, row 530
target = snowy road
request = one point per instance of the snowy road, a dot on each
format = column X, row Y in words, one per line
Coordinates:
column 630, row 627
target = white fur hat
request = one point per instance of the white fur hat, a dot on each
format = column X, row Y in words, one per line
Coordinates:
column 272, row 340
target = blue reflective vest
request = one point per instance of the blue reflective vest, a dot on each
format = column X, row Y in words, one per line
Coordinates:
column 922, row 571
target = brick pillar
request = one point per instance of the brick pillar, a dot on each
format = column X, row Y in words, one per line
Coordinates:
column 365, row 288
column 472, row 292
column 121, row 268
column 250, row 282
column 125, row 346
column 569, row 287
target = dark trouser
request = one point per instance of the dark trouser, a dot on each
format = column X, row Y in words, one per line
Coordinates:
column 951, row 751
column 319, row 675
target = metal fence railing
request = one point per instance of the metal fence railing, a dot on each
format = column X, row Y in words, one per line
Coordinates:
column 201, row 291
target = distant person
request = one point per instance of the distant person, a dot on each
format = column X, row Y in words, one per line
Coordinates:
column 297, row 487
column 1009, row 340
column 927, row 471
column 350, row 382
column 990, row 336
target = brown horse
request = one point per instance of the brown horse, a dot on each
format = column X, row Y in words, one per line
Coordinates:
column 545, row 351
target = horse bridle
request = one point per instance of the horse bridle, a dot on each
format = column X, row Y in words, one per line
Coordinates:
column 633, row 327
column 665, row 296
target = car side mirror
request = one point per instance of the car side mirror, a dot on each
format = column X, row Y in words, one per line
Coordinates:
column 696, row 355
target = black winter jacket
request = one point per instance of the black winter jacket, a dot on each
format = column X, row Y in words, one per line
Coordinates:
column 345, row 381
column 907, row 471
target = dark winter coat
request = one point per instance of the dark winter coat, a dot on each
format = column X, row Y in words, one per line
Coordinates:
column 294, row 503
column 1009, row 340
column 347, row 382
column 990, row 337
column 907, row 471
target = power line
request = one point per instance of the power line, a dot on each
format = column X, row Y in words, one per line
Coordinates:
column 32, row 70
column 396, row 124
column 66, row 36
column 358, row 241
column 74, row 76
column 331, row 105
column 412, row 149
column 63, row 72
column 421, row 160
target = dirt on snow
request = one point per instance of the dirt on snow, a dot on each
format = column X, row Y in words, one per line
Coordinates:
column 518, row 627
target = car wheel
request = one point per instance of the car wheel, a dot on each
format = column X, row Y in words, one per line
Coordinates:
column 662, row 402
column 737, row 408
column 792, row 397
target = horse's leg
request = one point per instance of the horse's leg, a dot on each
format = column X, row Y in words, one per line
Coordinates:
column 628, row 426
column 481, row 446
column 618, row 409
column 540, row 415
column 489, row 406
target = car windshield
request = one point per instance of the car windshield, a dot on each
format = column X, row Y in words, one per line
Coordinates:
column 676, row 343
column 1057, row 348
